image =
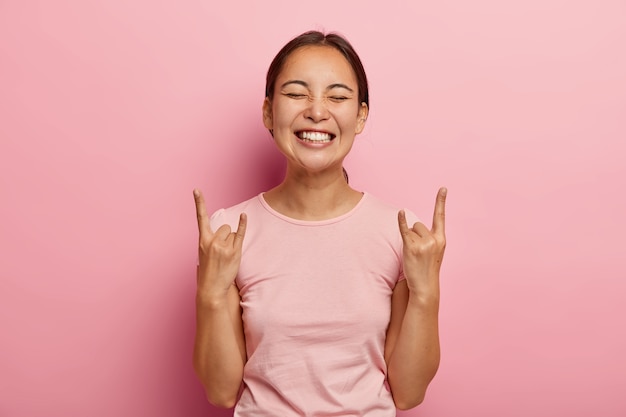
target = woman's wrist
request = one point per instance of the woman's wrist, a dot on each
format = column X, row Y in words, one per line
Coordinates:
column 211, row 301
column 424, row 300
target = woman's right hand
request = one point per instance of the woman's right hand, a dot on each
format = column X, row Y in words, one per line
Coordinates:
column 219, row 254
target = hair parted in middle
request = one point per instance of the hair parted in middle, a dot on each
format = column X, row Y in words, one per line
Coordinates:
column 316, row 38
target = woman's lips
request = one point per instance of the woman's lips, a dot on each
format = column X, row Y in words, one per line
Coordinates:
column 315, row 137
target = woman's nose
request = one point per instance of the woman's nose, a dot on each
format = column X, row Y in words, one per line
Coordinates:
column 316, row 110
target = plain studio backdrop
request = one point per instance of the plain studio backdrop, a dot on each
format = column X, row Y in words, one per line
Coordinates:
column 111, row 112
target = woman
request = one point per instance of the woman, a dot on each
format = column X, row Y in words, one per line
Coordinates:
column 323, row 301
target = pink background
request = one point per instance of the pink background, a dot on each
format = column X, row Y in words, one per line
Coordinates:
column 111, row 112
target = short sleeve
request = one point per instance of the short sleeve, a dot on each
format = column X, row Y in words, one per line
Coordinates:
column 217, row 219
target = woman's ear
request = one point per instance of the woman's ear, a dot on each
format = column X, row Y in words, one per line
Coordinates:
column 267, row 114
column 362, row 117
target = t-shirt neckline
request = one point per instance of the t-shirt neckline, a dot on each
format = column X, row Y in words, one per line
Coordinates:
column 324, row 222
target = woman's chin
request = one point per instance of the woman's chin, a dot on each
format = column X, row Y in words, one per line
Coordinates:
column 316, row 166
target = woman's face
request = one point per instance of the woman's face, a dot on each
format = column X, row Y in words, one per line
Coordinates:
column 315, row 112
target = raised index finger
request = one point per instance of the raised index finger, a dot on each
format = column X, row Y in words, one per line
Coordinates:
column 439, row 217
column 203, row 218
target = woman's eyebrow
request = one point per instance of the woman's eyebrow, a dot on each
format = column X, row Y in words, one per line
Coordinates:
column 299, row 82
column 304, row 84
column 339, row 85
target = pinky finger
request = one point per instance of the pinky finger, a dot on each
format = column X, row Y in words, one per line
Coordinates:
column 241, row 229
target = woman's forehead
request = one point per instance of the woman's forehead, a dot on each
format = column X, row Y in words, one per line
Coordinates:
column 317, row 61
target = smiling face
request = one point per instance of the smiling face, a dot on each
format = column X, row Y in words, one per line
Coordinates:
column 315, row 111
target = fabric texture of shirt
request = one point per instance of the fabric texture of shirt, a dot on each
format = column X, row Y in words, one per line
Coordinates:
column 316, row 303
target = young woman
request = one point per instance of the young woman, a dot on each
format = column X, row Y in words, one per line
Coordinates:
column 323, row 301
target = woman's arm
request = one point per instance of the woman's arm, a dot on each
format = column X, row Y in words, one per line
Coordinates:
column 219, row 351
column 412, row 346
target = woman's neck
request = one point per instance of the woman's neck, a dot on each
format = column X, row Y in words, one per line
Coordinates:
column 317, row 196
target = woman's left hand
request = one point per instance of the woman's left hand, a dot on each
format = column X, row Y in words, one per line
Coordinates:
column 422, row 251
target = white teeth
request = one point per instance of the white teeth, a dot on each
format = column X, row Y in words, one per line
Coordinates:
column 315, row 136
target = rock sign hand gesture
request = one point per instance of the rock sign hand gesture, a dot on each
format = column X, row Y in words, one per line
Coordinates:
column 219, row 253
column 422, row 250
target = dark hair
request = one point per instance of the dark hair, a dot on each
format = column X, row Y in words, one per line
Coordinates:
column 316, row 38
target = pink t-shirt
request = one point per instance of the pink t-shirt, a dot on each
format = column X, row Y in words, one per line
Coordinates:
column 316, row 300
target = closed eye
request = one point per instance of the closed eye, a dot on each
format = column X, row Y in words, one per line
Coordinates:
column 295, row 95
column 338, row 99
